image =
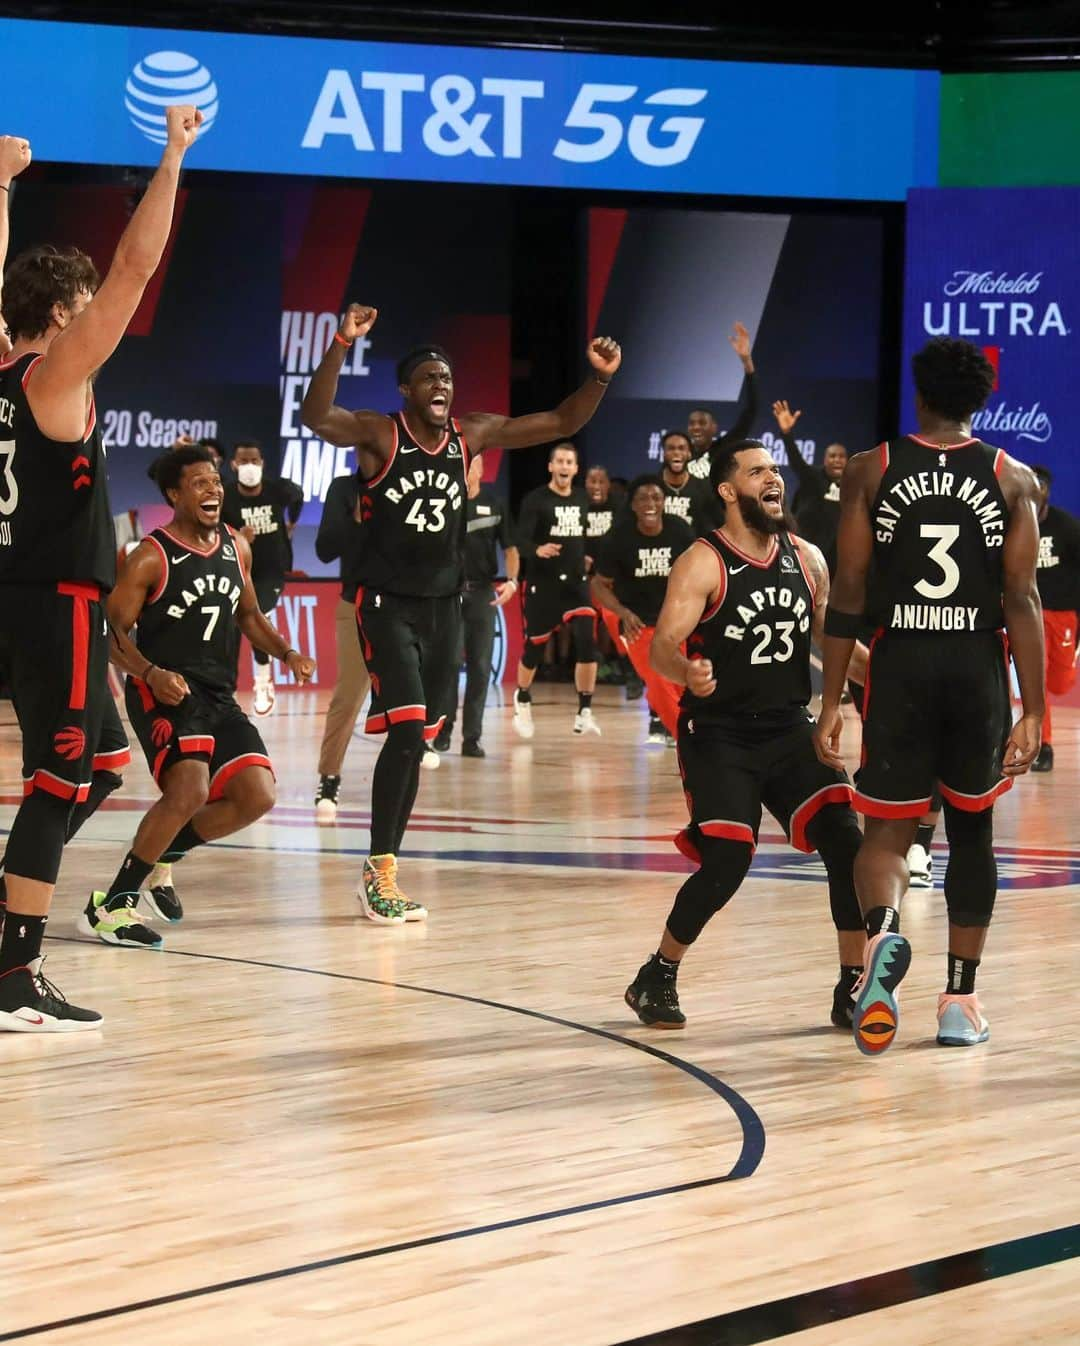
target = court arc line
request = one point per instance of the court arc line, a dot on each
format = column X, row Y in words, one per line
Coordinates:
column 750, row 1155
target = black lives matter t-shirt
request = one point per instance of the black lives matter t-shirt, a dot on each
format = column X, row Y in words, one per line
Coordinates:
column 639, row 565
column 266, row 514
column 547, row 516
column 1058, row 572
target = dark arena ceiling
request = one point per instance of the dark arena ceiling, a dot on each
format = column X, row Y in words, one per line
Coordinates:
column 942, row 35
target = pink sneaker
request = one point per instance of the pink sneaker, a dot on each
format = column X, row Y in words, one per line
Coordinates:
column 960, row 1021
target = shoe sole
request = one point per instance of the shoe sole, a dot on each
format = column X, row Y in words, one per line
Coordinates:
column 265, row 712
column 523, row 730
column 147, row 895
column 632, row 1001
column 325, row 817
column 920, row 882
column 964, row 1042
column 876, row 1015
column 83, row 926
column 416, row 918
column 11, row 1023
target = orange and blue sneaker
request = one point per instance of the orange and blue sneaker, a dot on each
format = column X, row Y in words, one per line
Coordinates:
column 961, row 1022
column 876, row 1016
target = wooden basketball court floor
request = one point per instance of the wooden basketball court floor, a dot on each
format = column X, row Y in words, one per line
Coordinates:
column 297, row 1126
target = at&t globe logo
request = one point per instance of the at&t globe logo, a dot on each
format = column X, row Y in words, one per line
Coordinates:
column 162, row 79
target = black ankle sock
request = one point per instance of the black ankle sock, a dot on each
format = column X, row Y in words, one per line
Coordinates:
column 185, row 840
column 21, row 941
column 524, row 695
column 667, row 967
column 924, row 835
column 125, row 887
column 961, row 975
column 849, row 974
column 584, row 701
column 882, row 919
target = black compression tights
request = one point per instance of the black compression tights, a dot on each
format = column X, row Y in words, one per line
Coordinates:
column 394, row 784
column 723, row 867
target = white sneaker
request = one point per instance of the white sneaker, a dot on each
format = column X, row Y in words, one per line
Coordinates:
column 523, row 720
column 920, row 867
column 585, row 724
column 431, row 761
column 264, row 698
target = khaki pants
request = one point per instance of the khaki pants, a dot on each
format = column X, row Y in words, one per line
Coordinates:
column 349, row 693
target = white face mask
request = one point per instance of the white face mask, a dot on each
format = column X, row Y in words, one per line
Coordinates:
column 249, row 474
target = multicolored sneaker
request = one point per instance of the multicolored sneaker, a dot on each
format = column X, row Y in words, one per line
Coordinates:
column 961, row 1022
column 414, row 911
column 121, row 927
column 160, row 894
column 876, row 1015
column 380, row 898
column 654, row 998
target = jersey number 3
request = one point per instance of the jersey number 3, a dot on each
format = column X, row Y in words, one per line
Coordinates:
column 946, row 535
column 9, row 491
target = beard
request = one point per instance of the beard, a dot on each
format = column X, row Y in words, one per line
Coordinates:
column 755, row 517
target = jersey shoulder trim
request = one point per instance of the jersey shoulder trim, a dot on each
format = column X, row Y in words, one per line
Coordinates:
column 236, row 547
column 164, row 580
column 431, row 453
column 374, row 481
column 721, row 593
column 798, row 546
column 187, row 546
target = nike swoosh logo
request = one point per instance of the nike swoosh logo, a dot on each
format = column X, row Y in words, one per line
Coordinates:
column 413, row 448
column 29, row 1018
column 734, row 570
column 178, row 560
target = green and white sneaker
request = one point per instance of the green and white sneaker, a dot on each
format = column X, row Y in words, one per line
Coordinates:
column 121, row 927
column 379, row 896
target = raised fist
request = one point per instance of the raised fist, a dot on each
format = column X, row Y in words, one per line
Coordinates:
column 14, row 157
column 358, row 321
column 182, row 122
column 605, row 355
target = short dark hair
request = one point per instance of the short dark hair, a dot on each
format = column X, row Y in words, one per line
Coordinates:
column 1043, row 473
column 674, row 434
column 169, row 469
column 209, row 442
column 700, row 411
column 39, row 278
column 953, row 377
column 597, row 467
column 644, row 479
column 243, row 444
column 563, row 444
column 408, row 363
column 723, row 460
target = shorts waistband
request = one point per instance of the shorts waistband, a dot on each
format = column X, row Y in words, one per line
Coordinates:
column 80, row 589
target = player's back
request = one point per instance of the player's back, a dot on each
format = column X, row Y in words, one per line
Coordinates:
column 939, row 519
column 55, row 520
column 188, row 622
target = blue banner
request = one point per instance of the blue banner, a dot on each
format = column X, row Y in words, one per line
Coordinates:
column 998, row 267
column 455, row 114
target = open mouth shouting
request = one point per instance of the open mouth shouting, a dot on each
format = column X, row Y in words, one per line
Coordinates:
column 773, row 498
column 209, row 508
column 439, row 406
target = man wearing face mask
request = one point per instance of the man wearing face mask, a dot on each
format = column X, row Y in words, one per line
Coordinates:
column 264, row 510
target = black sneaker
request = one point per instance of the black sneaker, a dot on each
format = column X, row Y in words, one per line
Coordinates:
column 635, row 688
column 1044, row 761
column 843, row 1006
column 326, row 797
column 160, row 895
column 655, row 998
column 30, row 1004
column 442, row 741
column 470, row 747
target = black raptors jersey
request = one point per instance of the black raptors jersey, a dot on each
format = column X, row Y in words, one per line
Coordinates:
column 187, row 625
column 939, row 520
column 757, row 633
column 55, row 520
column 413, row 517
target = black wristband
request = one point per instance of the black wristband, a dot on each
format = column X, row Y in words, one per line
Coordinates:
column 842, row 625
column 602, row 382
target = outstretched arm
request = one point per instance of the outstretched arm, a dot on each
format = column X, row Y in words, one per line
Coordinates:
column 369, row 431
column 483, row 430
column 695, row 578
column 14, row 157
column 819, row 573
column 785, row 420
column 58, row 392
column 1023, row 618
column 740, row 342
column 259, row 631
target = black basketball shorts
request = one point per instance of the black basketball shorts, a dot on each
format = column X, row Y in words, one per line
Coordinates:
column 551, row 603
column 731, row 769
column 935, row 708
column 54, row 646
column 207, row 726
column 412, row 649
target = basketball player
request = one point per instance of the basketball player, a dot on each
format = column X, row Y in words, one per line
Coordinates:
column 629, row 582
column 950, row 526
column 685, row 497
column 184, row 586
column 58, row 561
column 412, row 507
column 265, row 511
column 747, row 600
column 1058, row 576
column 552, row 540
column 701, row 427
column 817, row 502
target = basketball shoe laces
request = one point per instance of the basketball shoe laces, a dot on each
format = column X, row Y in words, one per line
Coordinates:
column 384, row 881
column 45, row 987
column 665, row 993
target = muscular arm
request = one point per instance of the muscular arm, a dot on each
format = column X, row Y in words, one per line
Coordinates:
column 249, row 618
column 59, row 391
column 1020, row 596
column 819, row 573
column 855, row 550
column 694, row 581
column 139, row 577
column 369, row 431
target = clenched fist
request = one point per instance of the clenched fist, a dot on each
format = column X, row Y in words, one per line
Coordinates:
column 14, row 157
column 605, row 356
column 358, row 321
column 301, row 666
column 699, row 678
column 182, row 121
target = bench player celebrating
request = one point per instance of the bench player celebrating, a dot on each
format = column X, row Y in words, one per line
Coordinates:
column 747, row 599
column 950, row 525
column 184, row 586
column 413, row 468
column 630, row 579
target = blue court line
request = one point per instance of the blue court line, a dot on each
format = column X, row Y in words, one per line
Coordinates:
column 750, row 1154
